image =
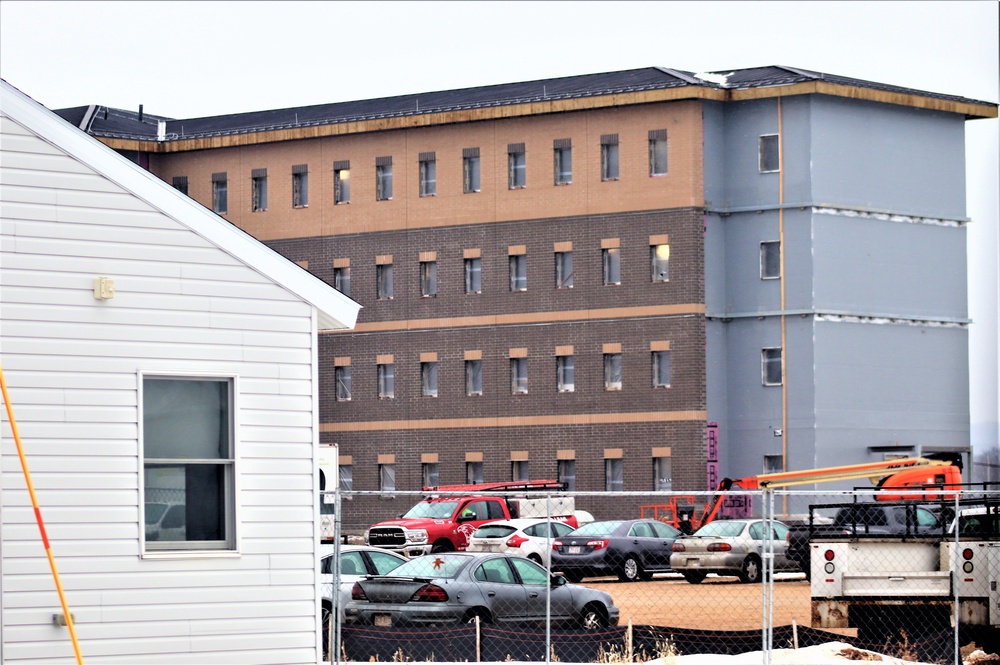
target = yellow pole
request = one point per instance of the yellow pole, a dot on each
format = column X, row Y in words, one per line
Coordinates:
column 38, row 518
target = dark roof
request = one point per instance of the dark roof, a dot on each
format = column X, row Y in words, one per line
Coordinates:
column 117, row 123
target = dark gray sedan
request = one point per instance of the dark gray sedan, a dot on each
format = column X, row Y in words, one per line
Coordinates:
column 631, row 549
column 456, row 587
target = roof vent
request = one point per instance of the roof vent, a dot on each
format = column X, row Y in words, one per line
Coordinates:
column 140, row 112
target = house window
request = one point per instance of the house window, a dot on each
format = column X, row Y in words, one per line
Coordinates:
column 220, row 196
column 773, row 463
column 564, row 374
column 661, row 369
column 342, row 379
column 470, row 170
column 662, row 481
column 769, row 158
column 770, row 360
column 342, row 279
column 474, row 275
column 342, row 182
column 612, row 371
column 614, row 475
column 609, row 157
column 611, row 260
column 770, row 259
column 429, row 474
column 566, row 474
column 300, row 186
column 386, row 380
column 473, row 377
column 180, row 183
column 519, row 470
column 659, row 256
column 474, row 473
column 189, row 460
column 346, row 477
column 562, row 152
column 518, row 272
column 428, row 174
column 519, row 376
column 383, row 280
column 429, row 379
column 657, row 152
column 387, row 477
column 428, row 279
column 383, row 178
column 564, row 270
column 258, row 183
column 516, row 166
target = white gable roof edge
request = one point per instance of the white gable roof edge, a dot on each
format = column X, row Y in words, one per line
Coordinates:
column 336, row 311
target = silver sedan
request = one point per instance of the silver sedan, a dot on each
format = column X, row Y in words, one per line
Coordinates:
column 730, row 547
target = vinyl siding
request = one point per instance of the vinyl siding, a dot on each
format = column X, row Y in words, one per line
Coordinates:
column 71, row 362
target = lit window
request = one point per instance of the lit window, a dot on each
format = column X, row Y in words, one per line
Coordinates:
column 474, row 473
column 474, row 275
column 180, row 183
column 342, row 182
column 428, row 279
column 564, row 270
column 566, row 473
column 429, row 474
column 342, row 379
column 473, row 377
column 612, row 371
column 770, row 360
column 611, row 259
column 519, row 470
column 300, row 186
column 660, row 262
column 258, row 183
column 662, row 481
column 383, row 178
column 429, row 379
column 614, row 475
column 770, row 260
column 519, row 376
column 563, row 161
column 470, row 170
column 657, row 152
column 518, row 272
column 387, row 477
column 564, row 374
column 386, row 381
column 220, row 197
column 189, row 463
column 342, row 279
column 609, row 157
column 661, row 369
column 383, row 281
column 428, row 174
column 769, row 159
column 516, row 166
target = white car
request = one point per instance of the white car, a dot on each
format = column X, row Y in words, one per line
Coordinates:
column 519, row 537
column 356, row 561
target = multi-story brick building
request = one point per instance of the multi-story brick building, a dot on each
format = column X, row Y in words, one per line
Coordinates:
column 580, row 277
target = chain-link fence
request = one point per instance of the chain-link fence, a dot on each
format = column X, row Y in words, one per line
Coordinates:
column 628, row 577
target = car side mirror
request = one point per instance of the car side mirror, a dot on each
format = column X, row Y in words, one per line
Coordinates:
column 557, row 580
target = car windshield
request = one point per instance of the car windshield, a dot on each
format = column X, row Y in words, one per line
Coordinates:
column 437, row 510
column 494, row 531
column 721, row 529
column 598, row 528
column 432, row 565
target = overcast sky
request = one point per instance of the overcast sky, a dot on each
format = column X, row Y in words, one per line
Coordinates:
column 191, row 59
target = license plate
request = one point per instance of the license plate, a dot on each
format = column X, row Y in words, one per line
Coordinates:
column 694, row 562
column 383, row 620
column 574, row 549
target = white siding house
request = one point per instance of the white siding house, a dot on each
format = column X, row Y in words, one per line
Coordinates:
column 170, row 424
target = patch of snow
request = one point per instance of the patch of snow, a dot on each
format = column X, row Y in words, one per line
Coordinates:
column 718, row 79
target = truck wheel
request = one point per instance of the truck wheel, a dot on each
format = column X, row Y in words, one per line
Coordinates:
column 631, row 570
column 750, row 571
column 693, row 576
column 442, row 546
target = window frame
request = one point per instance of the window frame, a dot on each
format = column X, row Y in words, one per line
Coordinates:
column 767, row 360
column 520, row 470
column 471, row 171
column 608, row 264
column 429, row 379
column 769, row 148
column 385, row 374
column 384, row 282
column 258, row 191
column 345, row 477
column 658, row 463
column 518, row 376
column 518, row 268
column 180, row 183
column 428, row 279
column 383, row 179
column 656, row 261
column 517, row 169
column 657, row 153
column 474, row 472
column 658, row 381
column 614, row 474
column 342, row 280
column 768, row 466
column 610, row 158
column 473, row 274
column 428, row 176
column 474, row 380
column 610, row 360
column 220, row 193
column 767, row 256
column 342, row 378
column 565, row 374
column 566, row 473
column 430, row 471
column 387, row 477
column 564, row 265
column 562, row 159
column 341, row 186
column 300, row 187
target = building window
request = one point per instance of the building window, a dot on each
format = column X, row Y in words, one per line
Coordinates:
column 470, row 170
column 611, row 259
column 474, row 473
column 342, row 182
column 428, row 174
column 769, row 159
column 180, row 183
column 429, row 474
column 387, row 477
column 519, row 376
column 614, row 475
column 258, row 182
column 770, row 360
column 429, row 379
column 189, row 463
column 342, row 378
column 659, row 256
column 770, row 259
column 383, row 178
column 386, row 380
column 612, row 371
column 609, row 157
column 562, row 152
column 564, row 270
column 661, row 369
column 346, row 477
column 519, row 272
column 566, row 474
column 220, row 195
column 474, row 275
column 662, row 481
column 300, row 186
column 657, row 152
column 564, row 374
column 773, row 463
column 383, row 281
column 428, row 279
column 342, row 279
column 473, row 377
column 516, row 166
column 519, row 470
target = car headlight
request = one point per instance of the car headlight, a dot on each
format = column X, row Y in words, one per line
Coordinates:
column 416, row 535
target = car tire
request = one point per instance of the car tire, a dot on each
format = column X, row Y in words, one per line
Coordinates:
column 481, row 612
column 594, row 617
column 694, row 576
column 750, row 571
column 631, row 570
column 537, row 559
column 442, row 546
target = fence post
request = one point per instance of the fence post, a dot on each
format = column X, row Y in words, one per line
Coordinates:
column 767, row 569
column 335, row 636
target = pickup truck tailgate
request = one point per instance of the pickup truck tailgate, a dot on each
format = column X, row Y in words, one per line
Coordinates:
column 915, row 583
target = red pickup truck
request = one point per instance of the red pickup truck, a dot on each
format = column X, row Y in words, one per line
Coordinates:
column 443, row 521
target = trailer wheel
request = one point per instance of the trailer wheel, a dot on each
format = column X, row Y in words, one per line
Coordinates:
column 750, row 571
